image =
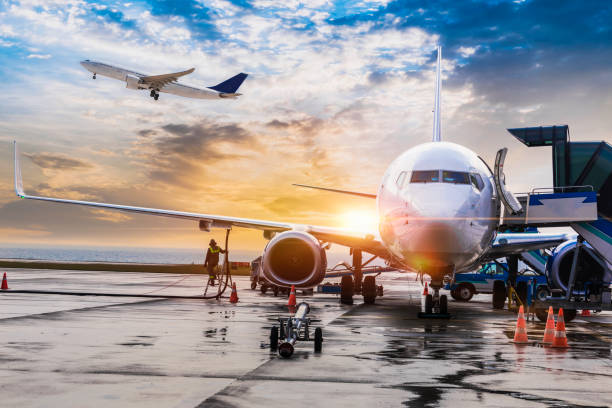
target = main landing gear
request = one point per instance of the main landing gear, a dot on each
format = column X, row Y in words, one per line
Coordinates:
column 154, row 94
column 94, row 76
column 436, row 305
column 350, row 285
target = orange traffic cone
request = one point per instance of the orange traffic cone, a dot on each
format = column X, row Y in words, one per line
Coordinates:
column 4, row 282
column 291, row 301
column 585, row 312
column 560, row 339
column 425, row 291
column 234, row 295
column 520, row 334
column 549, row 331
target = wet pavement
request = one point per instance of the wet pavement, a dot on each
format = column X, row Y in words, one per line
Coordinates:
column 94, row 351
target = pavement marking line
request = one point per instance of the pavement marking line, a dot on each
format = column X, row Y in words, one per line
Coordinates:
column 109, row 294
column 78, row 309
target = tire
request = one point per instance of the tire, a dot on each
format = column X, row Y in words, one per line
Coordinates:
column 499, row 294
column 569, row 314
column 274, row 338
column 263, row 288
column 521, row 291
column 368, row 289
column 542, row 293
column 275, row 290
column 428, row 304
column 254, row 284
column 346, row 290
column 443, row 304
column 318, row 340
column 464, row 292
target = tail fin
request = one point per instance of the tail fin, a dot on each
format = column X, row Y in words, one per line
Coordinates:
column 231, row 85
column 436, row 126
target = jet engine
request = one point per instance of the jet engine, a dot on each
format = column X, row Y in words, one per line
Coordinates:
column 132, row 82
column 591, row 271
column 294, row 258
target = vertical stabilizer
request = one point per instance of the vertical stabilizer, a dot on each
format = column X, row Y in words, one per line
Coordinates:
column 436, row 127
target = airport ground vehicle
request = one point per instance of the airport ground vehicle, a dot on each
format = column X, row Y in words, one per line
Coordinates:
column 466, row 285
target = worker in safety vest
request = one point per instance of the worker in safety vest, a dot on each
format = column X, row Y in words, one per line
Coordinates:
column 212, row 260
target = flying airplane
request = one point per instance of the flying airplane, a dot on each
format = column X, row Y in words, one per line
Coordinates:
column 166, row 82
column 439, row 210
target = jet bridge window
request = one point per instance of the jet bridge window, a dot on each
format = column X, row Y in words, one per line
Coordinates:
column 425, row 176
column 455, row 177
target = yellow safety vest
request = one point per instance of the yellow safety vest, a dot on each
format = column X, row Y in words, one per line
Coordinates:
column 214, row 251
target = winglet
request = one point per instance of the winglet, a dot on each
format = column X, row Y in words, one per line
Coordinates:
column 436, row 128
column 230, row 86
column 18, row 180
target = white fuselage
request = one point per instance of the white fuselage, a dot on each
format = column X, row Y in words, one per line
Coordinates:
column 131, row 79
column 438, row 208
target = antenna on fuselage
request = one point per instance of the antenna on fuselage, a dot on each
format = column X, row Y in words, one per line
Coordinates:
column 436, row 126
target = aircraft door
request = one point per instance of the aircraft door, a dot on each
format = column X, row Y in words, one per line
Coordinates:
column 509, row 200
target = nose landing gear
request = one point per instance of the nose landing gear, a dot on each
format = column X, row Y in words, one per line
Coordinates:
column 94, row 76
column 436, row 305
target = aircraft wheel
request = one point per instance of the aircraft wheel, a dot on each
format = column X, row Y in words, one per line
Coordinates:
column 443, row 304
column 156, row 97
column 318, row 340
column 152, row 93
column 275, row 290
column 568, row 314
column 254, row 284
column 273, row 338
column 499, row 294
column 263, row 288
column 428, row 304
column 368, row 289
column 94, row 76
column 346, row 290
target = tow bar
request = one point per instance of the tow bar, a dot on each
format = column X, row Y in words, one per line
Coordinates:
column 292, row 329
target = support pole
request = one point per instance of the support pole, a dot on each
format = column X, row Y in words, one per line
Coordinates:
column 357, row 271
column 572, row 278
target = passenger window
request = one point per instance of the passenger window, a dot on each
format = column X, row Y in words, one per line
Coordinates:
column 400, row 179
column 425, row 176
column 455, row 177
column 476, row 181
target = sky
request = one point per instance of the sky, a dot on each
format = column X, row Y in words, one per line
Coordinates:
column 336, row 90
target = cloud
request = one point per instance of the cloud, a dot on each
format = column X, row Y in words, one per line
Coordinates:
column 179, row 153
column 57, row 161
column 39, row 56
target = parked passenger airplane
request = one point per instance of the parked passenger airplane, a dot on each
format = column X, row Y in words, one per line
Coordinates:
column 439, row 209
column 166, row 82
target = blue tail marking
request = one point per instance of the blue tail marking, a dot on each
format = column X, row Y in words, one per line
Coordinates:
column 231, row 85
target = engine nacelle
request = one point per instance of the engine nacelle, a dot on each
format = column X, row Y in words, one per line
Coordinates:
column 589, row 269
column 132, row 82
column 294, row 258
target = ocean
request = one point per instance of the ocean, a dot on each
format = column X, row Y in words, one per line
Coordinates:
column 136, row 255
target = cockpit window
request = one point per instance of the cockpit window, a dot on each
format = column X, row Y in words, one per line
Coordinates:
column 455, row 177
column 425, row 176
column 401, row 179
column 476, row 181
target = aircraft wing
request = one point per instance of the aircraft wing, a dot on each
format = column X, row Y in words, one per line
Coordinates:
column 158, row 81
column 366, row 242
column 516, row 243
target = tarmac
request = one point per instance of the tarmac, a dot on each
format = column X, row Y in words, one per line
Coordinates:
column 100, row 351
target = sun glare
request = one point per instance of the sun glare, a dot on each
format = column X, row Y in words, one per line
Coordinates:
column 363, row 221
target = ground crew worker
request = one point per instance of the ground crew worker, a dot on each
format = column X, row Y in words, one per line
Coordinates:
column 212, row 260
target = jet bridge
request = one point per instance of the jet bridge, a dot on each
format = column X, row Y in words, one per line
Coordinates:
column 581, row 195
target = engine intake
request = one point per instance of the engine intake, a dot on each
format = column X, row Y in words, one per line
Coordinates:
column 294, row 258
column 589, row 270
